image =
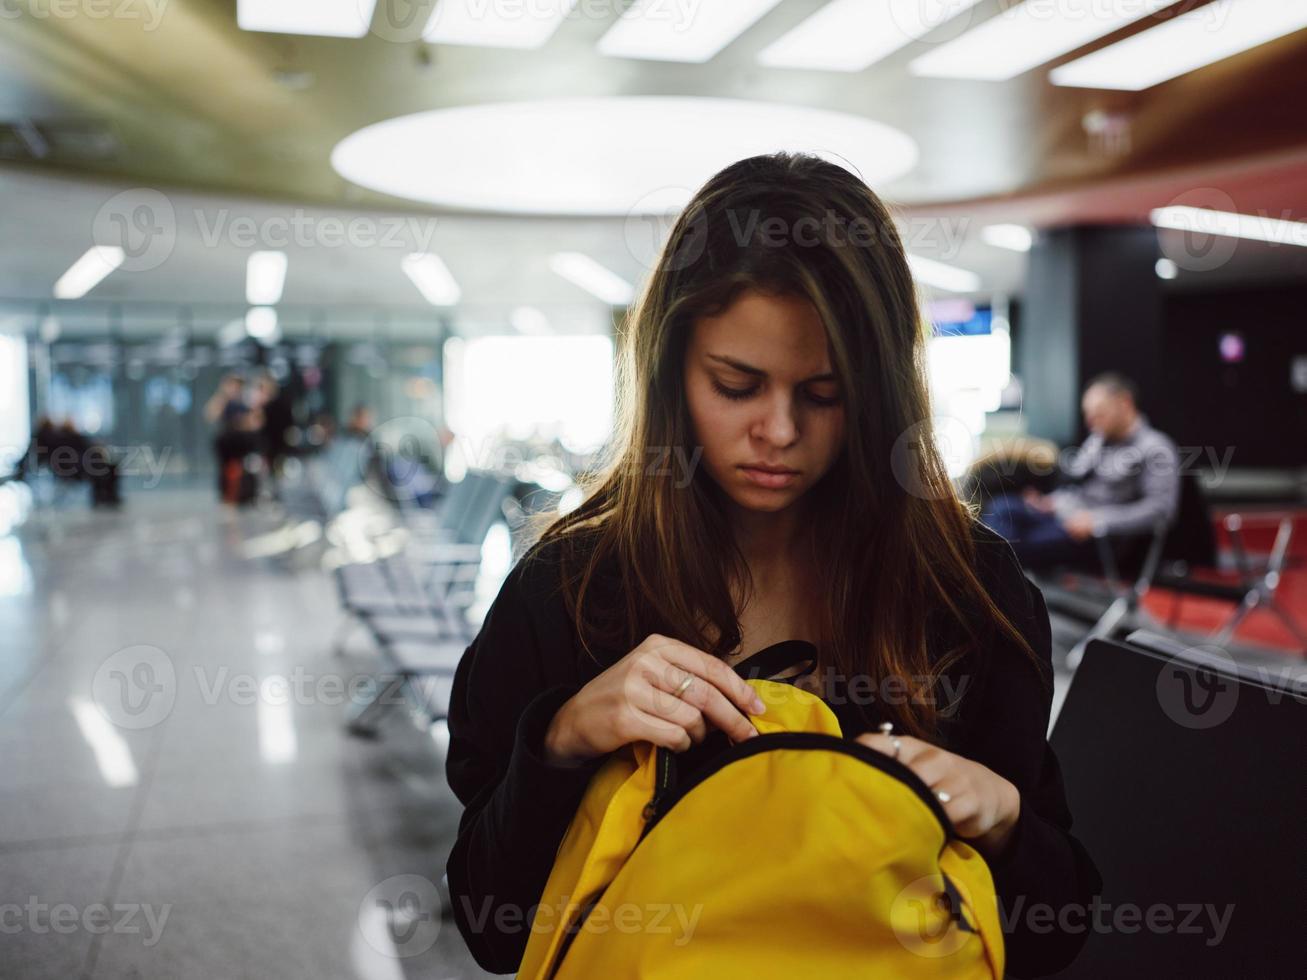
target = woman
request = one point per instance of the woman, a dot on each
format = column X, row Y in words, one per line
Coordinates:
column 773, row 480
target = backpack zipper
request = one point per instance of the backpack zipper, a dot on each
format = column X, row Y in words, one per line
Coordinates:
column 663, row 763
column 662, row 782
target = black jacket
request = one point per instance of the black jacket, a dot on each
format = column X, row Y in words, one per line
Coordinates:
column 524, row 663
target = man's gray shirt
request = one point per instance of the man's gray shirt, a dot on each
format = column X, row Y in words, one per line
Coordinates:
column 1127, row 485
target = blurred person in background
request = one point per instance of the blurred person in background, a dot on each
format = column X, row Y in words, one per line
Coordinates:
column 45, row 436
column 72, row 457
column 239, row 448
column 223, row 409
column 278, row 420
column 227, row 402
column 1122, row 480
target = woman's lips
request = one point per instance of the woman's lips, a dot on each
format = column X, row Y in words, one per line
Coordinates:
column 769, row 480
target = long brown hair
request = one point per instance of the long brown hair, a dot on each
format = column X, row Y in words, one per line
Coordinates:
column 894, row 539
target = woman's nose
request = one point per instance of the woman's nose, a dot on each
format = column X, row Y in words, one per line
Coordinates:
column 778, row 425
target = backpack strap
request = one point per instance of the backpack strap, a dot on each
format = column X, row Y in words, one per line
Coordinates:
column 770, row 661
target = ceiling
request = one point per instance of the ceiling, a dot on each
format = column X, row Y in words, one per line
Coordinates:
column 228, row 124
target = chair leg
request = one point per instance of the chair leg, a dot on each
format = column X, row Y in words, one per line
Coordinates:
column 1106, row 625
column 363, row 716
column 1250, row 602
column 347, row 626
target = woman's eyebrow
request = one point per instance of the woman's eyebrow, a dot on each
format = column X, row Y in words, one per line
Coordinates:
column 760, row 373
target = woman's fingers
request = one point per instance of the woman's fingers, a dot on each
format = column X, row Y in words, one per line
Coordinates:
column 653, row 697
column 716, row 673
column 934, row 768
column 659, row 731
column 909, row 749
column 707, row 695
column 725, row 696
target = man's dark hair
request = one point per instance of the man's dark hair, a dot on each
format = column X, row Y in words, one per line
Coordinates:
column 1116, row 383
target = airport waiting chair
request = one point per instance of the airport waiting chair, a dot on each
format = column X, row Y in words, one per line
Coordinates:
column 1258, row 581
column 436, row 560
column 416, row 609
column 1186, row 562
column 1185, row 788
column 1131, row 563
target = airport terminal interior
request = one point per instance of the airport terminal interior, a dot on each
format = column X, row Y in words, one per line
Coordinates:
column 313, row 314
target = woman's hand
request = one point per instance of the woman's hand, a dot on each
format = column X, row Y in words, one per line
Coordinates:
column 982, row 804
column 635, row 700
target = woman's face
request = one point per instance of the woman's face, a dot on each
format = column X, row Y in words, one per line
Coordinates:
column 762, row 396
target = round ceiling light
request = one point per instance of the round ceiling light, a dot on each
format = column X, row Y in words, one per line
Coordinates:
column 600, row 156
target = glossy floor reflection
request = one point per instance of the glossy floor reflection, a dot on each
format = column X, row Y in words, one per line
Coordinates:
column 179, row 799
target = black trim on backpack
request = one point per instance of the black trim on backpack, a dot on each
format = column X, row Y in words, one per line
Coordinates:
column 771, row 660
column 667, row 795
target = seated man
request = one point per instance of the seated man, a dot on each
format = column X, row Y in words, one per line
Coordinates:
column 1123, row 479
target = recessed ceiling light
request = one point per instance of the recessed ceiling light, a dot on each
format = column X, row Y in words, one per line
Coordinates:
column 600, row 156
column 530, row 320
column 943, row 276
column 1184, row 43
column 232, row 332
column 659, row 31
column 496, row 25
column 850, row 35
column 88, row 271
column 1014, row 237
column 265, row 277
column 432, row 278
column 261, row 322
column 1205, row 221
column 595, row 279
column 1030, row 34
column 325, row 18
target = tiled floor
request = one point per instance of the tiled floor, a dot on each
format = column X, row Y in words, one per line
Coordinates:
column 228, row 827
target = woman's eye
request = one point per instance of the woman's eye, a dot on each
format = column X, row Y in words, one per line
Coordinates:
column 733, row 393
column 824, row 401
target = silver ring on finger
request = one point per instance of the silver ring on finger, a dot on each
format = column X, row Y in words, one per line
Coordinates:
column 943, row 796
column 684, row 685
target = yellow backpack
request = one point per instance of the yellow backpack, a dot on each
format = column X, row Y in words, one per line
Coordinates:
column 797, row 853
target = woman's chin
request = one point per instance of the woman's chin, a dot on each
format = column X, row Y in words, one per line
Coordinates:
column 765, row 501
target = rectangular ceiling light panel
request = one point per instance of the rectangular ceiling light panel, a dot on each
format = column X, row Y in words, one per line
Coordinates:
column 1182, row 44
column 1028, row 35
column 850, row 35
column 324, row 18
